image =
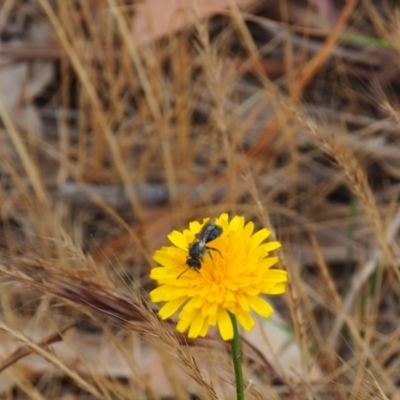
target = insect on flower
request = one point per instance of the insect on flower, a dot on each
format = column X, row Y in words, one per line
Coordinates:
column 198, row 248
column 233, row 285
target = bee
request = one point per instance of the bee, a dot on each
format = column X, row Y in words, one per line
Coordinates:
column 198, row 248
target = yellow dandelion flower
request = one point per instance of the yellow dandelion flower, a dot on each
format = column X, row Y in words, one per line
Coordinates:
column 234, row 270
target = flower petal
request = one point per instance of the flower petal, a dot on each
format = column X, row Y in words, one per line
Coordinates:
column 259, row 237
column 260, row 306
column 272, row 278
column 236, row 224
column 223, row 218
column 243, row 303
column 269, row 262
column 161, row 257
column 209, row 308
column 204, row 329
column 185, row 319
column 270, row 246
column 171, row 307
column 225, row 324
column 278, row 288
column 196, row 326
column 248, row 229
column 195, row 227
column 159, row 273
column 158, row 294
column 178, row 239
column 246, row 321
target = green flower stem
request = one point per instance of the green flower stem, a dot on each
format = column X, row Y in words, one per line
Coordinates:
column 237, row 362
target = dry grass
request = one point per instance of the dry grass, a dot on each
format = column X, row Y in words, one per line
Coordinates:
column 140, row 139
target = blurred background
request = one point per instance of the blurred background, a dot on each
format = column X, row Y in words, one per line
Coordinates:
column 122, row 120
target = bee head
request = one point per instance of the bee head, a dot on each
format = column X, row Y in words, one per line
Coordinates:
column 193, row 263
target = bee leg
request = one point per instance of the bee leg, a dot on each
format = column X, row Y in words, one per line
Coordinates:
column 213, row 248
column 194, row 268
column 183, row 273
column 209, row 252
